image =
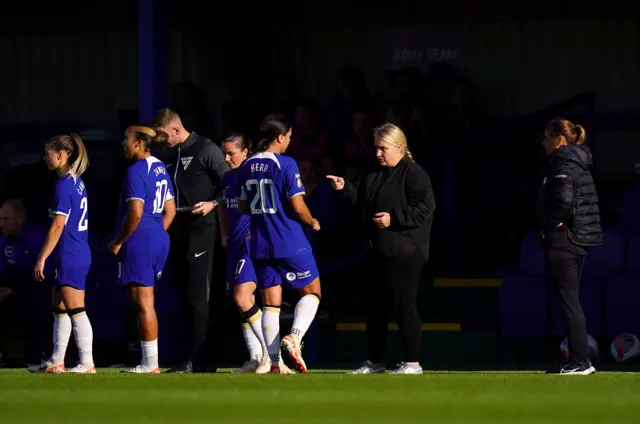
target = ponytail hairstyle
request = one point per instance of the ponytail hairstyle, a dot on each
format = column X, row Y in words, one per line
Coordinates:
column 273, row 126
column 392, row 134
column 574, row 134
column 240, row 140
column 148, row 135
column 78, row 159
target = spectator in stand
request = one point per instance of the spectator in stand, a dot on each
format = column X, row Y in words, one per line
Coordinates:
column 353, row 173
column 327, row 166
column 285, row 95
column 360, row 144
column 19, row 292
column 32, row 184
column 237, row 117
column 352, row 94
column 308, row 137
column 406, row 107
column 322, row 202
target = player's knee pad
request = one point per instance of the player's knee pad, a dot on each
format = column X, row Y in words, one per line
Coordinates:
column 252, row 313
column 75, row 312
column 58, row 312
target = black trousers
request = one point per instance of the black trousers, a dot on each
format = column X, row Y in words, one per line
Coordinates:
column 192, row 253
column 564, row 269
column 393, row 288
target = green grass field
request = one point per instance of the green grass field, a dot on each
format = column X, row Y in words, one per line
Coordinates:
column 318, row 397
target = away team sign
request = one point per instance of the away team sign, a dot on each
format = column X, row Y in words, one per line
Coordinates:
column 423, row 46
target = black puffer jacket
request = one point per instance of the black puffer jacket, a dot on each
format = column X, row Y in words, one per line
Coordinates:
column 568, row 196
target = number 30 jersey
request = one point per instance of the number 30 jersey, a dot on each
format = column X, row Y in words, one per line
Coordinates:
column 70, row 201
column 268, row 182
column 147, row 180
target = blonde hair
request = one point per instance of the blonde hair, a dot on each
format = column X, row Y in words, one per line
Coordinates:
column 78, row 161
column 392, row 134
column 574, row 134
column 148, row 135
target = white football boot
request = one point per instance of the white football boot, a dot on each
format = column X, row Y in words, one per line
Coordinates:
column 368, row 367
column 143, row 369
column 407, row 369
column 49, row 367
column 83, row 369
column 249, row 367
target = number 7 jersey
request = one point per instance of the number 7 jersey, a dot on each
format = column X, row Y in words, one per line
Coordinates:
column 268, row 182
column 70, row 201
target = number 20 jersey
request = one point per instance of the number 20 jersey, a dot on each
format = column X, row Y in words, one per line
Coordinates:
column 147, row 180
column 268, row 182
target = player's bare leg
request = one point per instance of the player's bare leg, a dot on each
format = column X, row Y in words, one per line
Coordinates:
column 143, row 299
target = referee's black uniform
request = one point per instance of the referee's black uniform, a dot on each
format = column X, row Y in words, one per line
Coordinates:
column 196, row 167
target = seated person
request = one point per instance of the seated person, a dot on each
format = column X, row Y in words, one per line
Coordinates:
column 20, row 295
column 308, row 137
column 322, row 202
column 360, row 145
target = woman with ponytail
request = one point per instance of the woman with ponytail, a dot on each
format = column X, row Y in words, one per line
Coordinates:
column 147, row 209
column 272, row 193
column 241, row 274
column 396, row 205
column 67, row 243
column 569, row 222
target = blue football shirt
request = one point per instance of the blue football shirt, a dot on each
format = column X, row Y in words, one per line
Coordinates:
column 268, row 182
column 238, row 223
column 70, row 201
column 147, row 180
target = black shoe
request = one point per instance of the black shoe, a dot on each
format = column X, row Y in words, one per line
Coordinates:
column 186, row 368
column 205, row 369
column 584, row 368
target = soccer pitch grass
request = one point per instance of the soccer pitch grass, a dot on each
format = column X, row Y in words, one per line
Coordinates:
column 318, row 397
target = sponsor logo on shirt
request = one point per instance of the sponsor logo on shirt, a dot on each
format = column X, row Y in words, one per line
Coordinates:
column 298, row 180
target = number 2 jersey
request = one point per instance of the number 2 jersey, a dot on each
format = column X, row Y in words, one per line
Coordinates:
column 268, row 181
column 70, row 201
column 147, row 180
